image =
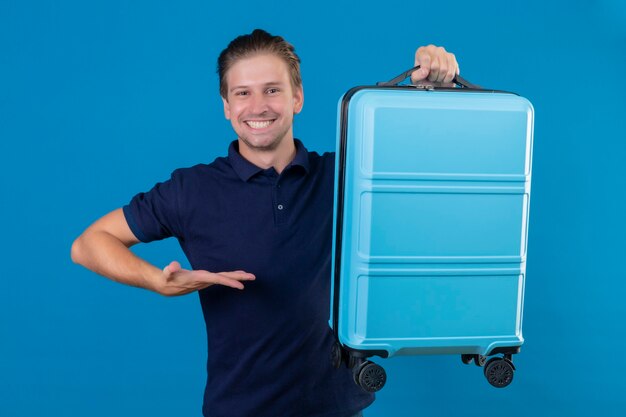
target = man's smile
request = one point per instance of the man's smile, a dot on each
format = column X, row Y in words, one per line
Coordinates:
column 259, row 124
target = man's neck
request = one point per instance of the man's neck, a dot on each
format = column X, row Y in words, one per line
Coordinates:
column 278, row 158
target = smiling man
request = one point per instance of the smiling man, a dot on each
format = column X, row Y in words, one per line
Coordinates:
column 260, row 101
column 263, row 214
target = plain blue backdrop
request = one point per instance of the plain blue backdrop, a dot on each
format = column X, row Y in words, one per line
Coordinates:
column 101, row 99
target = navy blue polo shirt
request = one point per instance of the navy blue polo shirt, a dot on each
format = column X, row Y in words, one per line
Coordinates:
column 269, row 344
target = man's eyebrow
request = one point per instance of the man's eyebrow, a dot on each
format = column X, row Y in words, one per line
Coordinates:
column 267, row 84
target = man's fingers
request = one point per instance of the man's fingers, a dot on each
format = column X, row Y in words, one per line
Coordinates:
column 238, row 275
column 442, row 65
column 173, row 267
column 452, row 68
column 227, row 282
column 419, row 75
column 231, row 279
column 422, row 58
column 436, row 64
column 436, row 68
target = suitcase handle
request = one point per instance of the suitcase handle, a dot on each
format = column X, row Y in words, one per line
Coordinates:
column 458, row 80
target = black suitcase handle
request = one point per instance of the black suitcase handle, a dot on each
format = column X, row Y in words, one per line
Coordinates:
column 458, row 80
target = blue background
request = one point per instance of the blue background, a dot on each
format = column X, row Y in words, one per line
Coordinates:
column 101, row 99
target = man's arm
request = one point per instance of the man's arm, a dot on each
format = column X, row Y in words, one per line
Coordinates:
column 104, row 248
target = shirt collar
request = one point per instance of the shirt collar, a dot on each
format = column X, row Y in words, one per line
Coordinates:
column 246, row 169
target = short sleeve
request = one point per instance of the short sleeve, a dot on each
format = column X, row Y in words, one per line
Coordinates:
column 154, row 215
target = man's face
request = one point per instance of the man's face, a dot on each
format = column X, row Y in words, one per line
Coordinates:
column 261, row 101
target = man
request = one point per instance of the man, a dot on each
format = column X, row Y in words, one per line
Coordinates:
column 263, row 215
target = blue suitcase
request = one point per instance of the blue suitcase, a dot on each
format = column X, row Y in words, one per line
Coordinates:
column 430, row 226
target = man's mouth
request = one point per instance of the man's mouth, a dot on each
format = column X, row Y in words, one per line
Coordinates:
column 259, row 124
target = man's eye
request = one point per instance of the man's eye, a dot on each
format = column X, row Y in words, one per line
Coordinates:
column 272, row 90
column 241, row 93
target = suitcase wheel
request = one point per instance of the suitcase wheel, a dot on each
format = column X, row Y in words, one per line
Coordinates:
column 499, row 372
column 370, row 376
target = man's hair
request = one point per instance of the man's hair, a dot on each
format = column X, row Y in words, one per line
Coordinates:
column 258, row 42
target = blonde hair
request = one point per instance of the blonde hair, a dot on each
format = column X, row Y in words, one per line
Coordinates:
column 257, row 42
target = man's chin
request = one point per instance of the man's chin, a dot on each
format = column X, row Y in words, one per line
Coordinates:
column 261, row 145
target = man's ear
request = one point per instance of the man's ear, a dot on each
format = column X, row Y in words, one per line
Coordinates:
column 226, row 108
column 298, row 100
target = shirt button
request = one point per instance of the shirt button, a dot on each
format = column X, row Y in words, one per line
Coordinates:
column 280, row 207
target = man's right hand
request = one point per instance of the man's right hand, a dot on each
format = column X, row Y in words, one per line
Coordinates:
column 178, row 281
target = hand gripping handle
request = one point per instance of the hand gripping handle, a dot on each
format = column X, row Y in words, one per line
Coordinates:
column 458, row 80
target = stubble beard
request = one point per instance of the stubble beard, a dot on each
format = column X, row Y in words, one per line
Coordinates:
column 268, row 147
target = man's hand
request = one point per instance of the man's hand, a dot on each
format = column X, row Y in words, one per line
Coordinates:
column 178, row 281
column 436, row 65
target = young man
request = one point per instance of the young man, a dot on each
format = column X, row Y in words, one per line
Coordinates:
column 263, row 215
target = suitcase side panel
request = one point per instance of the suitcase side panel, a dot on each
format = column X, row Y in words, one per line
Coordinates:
column 454, row 136
column 436, row 192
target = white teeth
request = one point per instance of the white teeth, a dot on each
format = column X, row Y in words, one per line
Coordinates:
column 259, row 125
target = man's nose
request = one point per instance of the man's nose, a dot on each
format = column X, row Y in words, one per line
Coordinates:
column 258, row 104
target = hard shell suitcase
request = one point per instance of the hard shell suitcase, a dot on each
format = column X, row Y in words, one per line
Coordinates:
column 430, row 226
